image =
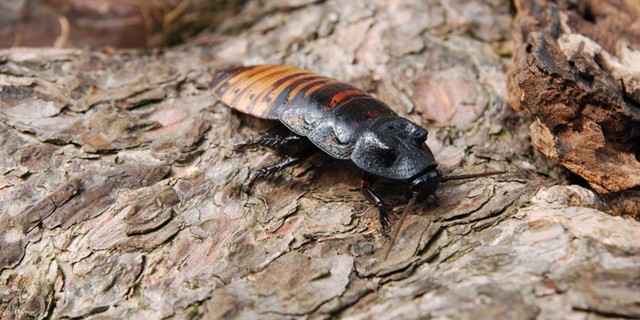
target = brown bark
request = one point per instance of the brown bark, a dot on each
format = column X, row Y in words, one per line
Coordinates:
column 575, row 71
column 120, row 193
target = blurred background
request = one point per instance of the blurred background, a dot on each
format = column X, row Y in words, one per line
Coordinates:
column 115, row 23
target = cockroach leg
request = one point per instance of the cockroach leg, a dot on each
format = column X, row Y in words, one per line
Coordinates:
column 277, row 167
column 383, row 209
column 270, row 140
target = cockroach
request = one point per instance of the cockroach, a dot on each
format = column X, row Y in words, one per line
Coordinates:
column 341, row 120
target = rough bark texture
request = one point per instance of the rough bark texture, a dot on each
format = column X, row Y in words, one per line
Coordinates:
column 577, row 70
column 120, row 192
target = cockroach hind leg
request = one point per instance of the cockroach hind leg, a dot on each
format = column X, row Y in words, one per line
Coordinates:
column 277, row 167
column 270, row 140
column 264, row 173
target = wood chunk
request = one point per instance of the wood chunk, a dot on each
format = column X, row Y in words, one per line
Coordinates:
column 577, row 71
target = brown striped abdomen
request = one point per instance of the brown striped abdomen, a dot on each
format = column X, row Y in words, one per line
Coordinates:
column 329, row 112
column 265, row 91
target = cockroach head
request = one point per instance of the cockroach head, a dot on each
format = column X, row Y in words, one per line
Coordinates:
column 393, row 148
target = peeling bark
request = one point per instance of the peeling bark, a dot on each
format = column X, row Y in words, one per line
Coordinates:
column 576, row 70
column 120, row 191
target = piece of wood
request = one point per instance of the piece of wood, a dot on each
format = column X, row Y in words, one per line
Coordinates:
column 120, row 192
column 577, row 71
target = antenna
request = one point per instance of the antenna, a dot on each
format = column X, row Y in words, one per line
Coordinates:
column 394, row 236
column 470, row 176
column 403, row 217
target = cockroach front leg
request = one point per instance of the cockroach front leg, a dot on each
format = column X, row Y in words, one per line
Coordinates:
column 374, row 198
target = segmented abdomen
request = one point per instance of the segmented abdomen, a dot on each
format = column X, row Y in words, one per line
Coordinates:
column 329, row 112
column 265, row 91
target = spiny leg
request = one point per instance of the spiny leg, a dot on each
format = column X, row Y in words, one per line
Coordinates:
column 272, row 140
column 277, row 167
column 374, row 198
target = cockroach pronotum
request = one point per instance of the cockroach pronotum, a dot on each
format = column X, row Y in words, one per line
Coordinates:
column 341, row 120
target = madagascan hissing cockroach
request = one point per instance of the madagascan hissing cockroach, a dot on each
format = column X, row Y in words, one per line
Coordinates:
column 341, row 120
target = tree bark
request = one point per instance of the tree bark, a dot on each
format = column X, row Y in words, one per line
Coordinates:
column 120, row 190
column 574, row 70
